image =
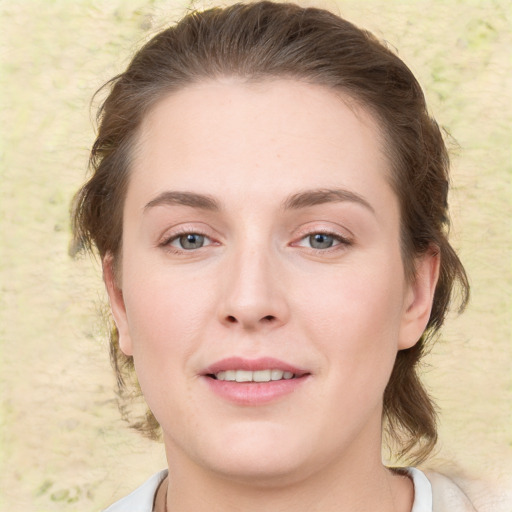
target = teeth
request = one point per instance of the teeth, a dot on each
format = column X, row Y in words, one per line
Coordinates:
column 227, row 375
column 256, row 376
column 243, row 376
column 261, row 376
column 276, row 374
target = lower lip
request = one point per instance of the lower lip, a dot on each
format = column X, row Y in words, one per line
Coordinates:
column 254, row 393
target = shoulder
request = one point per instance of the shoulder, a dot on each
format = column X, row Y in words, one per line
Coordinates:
column 492, row 494
column 140, row 500
column 447, row 496
column 434, row 492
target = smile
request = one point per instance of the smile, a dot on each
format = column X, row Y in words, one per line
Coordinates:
column 253, row 382
column 253, row 376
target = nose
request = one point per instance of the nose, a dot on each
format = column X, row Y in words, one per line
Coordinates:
column 254, row 297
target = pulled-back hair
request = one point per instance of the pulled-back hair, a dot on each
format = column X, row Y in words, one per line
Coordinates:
column 265, row 40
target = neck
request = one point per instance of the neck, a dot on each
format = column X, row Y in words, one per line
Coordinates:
column 342, row 488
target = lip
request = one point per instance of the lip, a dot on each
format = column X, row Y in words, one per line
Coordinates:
column 254, row 393
column 262, row 363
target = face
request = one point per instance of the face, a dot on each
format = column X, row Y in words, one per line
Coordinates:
column 262, row 291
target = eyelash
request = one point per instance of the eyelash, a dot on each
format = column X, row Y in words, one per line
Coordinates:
column 167, row 242
column 339, row 242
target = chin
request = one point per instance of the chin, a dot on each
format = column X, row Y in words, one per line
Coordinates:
column 262, row 455
column 263, row 470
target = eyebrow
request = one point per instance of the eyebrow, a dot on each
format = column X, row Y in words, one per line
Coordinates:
column 296, row 201
column 324, row 195
column 192, row 199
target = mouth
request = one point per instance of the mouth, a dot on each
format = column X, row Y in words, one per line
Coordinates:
column 252, row 376
column 263, row 369
column 254, row 381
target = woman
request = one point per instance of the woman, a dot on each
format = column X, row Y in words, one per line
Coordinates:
column 269, row 201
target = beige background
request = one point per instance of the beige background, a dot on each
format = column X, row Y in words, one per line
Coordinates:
column 62, row 444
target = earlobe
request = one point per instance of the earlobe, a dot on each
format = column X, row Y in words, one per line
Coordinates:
column 117, row 306
column 419, row 298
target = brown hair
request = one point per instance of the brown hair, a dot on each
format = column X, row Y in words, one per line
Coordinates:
column 264, row 40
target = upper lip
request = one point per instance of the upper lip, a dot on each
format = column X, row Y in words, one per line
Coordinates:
column 262, row 363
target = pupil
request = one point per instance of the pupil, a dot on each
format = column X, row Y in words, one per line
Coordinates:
column 321, row 241
column 192, row 241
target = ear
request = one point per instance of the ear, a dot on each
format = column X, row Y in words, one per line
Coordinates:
column 419, row 298
column 117, row 306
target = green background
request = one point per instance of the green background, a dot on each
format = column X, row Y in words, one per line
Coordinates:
column 63, row 446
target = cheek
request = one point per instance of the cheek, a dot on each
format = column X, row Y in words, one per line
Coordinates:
column 165, row 319
column 356, row 316
column 165, row 313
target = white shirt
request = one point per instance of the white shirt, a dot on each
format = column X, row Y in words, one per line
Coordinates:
column 448, row 497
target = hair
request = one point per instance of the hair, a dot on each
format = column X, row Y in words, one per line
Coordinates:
column 266, row 40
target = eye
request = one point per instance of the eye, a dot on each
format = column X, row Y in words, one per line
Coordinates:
column 189, row 241
column 321, row 241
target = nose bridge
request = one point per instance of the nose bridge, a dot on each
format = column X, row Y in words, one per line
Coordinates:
column 253, row 293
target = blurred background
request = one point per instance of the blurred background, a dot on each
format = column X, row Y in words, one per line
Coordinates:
column 62, row 444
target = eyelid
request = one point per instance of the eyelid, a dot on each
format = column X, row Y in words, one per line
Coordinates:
column 175, row 238
column 337, row 240
column 176, row 232
column 339, row 232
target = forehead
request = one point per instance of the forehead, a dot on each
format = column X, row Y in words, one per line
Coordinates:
column 230, row 135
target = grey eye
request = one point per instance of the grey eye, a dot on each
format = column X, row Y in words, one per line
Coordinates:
column 321, row 241
column 191, row 241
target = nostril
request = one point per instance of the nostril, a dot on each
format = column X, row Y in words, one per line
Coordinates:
column 230, row 319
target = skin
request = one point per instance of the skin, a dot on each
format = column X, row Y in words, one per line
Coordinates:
column 258, row 288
